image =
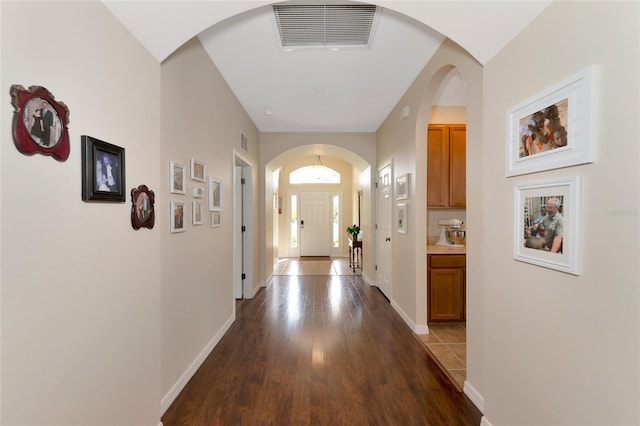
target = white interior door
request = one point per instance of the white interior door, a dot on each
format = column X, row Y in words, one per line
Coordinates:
column 383, row 234
column 315, row 223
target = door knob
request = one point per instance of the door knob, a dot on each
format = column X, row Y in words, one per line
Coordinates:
column 387, row 239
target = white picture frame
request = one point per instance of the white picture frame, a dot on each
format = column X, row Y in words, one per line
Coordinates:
column 198, row 192
column 216, row 219
column 177, row 217
column 401, row 218
column 198, row 170
column 537, row 249
column 402, row 187
column 196, row 213
column 215, row 194
column 177, row 178
column 567, row 140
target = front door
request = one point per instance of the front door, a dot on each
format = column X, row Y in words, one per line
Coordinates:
column 315, row 223
column 383, row 235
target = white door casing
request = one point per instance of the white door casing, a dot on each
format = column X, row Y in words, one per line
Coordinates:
column 383, row 234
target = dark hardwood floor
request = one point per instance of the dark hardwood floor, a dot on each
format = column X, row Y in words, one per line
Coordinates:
column 319, row 350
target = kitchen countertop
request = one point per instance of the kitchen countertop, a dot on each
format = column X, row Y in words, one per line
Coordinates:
column 434, row 249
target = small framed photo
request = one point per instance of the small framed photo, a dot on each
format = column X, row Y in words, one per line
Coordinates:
column 177, row 178
column 401, row 215
column 215, row 194
column 547, row 224
column 196, row 213
column 177, row 216
column 39, row 122
column 198, row 192
column 142, row 211
column 216, row 219
column 197, row 170
column 103, row 177
column 402, row 187
column 553, row 129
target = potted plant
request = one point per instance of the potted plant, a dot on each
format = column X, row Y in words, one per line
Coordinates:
column 354, row 230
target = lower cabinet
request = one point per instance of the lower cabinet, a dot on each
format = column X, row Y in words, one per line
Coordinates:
column 446, row 287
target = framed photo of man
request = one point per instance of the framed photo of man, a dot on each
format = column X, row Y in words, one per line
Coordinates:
column 103, row 171
column 547, row 224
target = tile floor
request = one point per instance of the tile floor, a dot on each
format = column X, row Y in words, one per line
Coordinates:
column 446, row 343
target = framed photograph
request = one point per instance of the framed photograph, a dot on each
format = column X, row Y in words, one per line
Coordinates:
column 402, row 187
column 401, row 215
column 39, row 122
column 142, row 211
column 547, row 224
column 216, row 219
column 197, row 170
column 553, row 129
column 198, row 192
column 177, row 178
column 215, row 194
column 103, row 177
column 196, row 213
column 177, row 216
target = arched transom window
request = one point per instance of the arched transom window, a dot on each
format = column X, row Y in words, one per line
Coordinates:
column 317, row 173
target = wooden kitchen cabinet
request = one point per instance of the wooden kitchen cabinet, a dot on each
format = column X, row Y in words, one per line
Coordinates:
column 446, row 287
column 447, row 165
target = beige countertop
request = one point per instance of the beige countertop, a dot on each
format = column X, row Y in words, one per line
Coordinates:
column 434, row 249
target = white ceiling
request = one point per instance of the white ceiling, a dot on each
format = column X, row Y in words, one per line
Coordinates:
column 323, row 90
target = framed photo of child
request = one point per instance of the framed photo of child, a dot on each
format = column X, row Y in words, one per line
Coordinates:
column 553, row 129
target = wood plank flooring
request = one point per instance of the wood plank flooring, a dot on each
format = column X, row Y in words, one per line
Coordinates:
column 319, row 350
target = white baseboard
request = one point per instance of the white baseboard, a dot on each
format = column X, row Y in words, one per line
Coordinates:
column 422, row 329
column 484, row 421
column 254, row 291
column 475, row 397
column 189, row 372
column 405, row 317
column 368, row 280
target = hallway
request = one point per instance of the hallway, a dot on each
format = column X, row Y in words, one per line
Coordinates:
column 319, row 349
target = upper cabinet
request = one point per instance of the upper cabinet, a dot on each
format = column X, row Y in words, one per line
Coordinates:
column 446, row 166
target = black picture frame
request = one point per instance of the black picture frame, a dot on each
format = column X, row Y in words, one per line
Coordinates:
column 103, row 171
column 143, row 213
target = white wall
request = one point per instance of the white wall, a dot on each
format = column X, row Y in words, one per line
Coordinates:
column 80, row 288
column 201, row 119
column 564, row 349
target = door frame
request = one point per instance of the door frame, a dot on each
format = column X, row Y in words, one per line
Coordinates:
column 295, row 251
column 242, row 216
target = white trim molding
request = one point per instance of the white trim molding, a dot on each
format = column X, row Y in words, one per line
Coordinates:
column 484, row 421
column 474, row 396
column 175, row 390
column 417, row 329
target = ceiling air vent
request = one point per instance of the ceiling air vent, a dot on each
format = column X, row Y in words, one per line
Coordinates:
column 325, row 25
